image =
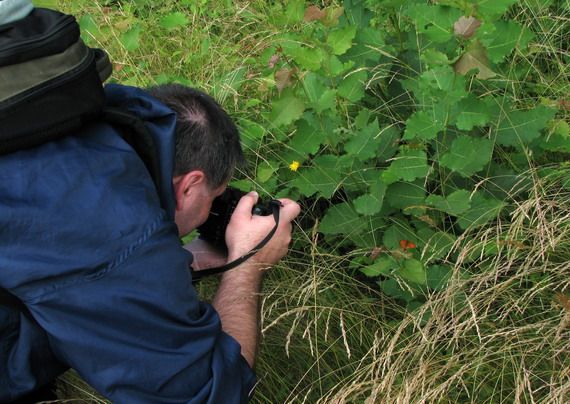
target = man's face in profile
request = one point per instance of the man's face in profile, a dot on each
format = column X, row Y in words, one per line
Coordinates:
column 194, row 208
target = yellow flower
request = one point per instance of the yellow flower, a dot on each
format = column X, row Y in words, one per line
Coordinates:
column 294, row 166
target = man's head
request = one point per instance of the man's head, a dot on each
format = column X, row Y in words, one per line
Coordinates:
column 208, row 150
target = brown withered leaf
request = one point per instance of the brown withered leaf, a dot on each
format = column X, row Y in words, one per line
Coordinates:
column 475, row 59
column 332, row 16
column 273, row 60
column 466, row 27
column 376, row 251
column 283, row 78
column 313, row 13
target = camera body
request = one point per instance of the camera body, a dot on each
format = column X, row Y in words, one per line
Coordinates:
column 214, row 229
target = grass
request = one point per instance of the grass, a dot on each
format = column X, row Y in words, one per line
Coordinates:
column 500, row 334
column 500, row 331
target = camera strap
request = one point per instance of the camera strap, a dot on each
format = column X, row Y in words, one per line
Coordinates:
column 197, row 275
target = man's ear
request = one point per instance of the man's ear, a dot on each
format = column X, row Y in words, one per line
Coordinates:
column 185, row 184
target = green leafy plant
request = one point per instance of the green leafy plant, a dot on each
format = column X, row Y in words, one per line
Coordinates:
column 404, row 127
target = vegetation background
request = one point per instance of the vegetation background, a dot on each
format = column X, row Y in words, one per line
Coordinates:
column 427, row 142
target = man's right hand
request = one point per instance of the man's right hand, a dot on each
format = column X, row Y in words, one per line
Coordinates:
column 245, row 231
column 236, row 300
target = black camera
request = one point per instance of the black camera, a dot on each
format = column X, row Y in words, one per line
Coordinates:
column 214, row 229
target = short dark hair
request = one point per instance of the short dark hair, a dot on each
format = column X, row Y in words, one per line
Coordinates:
column 206, row 137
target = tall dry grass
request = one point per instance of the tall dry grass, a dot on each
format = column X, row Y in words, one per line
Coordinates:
column 500, row 332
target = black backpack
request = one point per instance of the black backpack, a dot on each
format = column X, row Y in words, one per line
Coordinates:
column 51, row 84
column 50, row 81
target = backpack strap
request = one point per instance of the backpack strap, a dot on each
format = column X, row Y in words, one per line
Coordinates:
column 135, row 133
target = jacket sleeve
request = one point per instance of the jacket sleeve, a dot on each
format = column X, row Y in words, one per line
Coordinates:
column 138, row 333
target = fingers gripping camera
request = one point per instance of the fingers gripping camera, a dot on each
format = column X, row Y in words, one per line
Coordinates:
column 214, row 229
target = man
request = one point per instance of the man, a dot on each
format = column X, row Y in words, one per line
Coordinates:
column 91, row 247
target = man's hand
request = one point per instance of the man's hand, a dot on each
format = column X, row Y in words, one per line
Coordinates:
column 245, row 231
column 236, row 300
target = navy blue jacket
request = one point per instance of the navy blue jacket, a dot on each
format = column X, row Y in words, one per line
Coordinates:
column 86, row 246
